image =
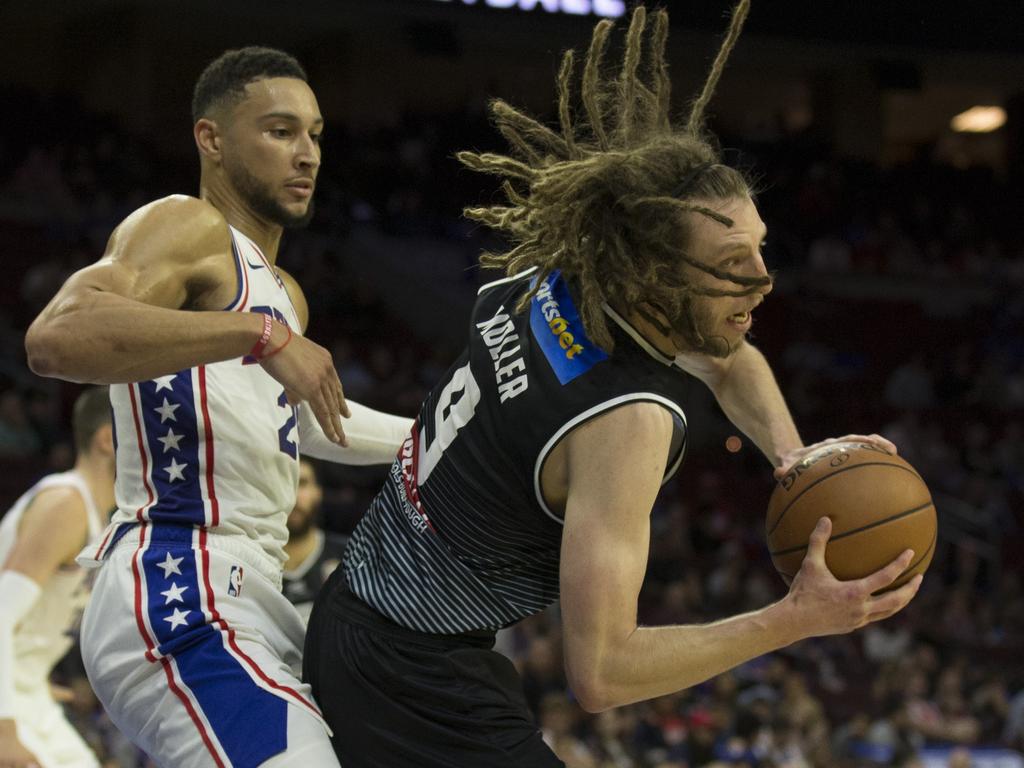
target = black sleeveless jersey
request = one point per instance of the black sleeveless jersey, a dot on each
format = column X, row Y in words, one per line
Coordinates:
column 301, row 585
column 460, row 538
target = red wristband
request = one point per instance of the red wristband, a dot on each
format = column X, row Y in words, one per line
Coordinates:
column 264, row 339
column 275, row 351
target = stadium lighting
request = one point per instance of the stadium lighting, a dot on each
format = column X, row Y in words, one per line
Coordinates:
column 979, row 120
column 611, row 9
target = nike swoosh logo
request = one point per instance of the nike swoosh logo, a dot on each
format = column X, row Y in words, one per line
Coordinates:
column 255, row 266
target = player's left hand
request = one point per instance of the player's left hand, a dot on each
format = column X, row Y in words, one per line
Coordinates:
column 795, row 456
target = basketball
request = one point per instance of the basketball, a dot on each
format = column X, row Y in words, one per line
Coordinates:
column 878, row 503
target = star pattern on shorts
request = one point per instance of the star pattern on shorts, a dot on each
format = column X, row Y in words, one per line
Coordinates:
column 175, row 471
column 173, row 594
column 177, row 618
column 170, row 565
column 167, row 410
column 171, row 441
column 164, row 382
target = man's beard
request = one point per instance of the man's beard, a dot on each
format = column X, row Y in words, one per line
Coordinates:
column 697, row 328
column 301, row 526
column 257, row 196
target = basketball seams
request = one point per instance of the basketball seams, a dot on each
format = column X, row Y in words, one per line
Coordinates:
column 844, row 534
column 905, row 468
column 908, row 571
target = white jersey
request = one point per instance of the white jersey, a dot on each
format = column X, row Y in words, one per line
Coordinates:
column 50, row 627
column 215, row 446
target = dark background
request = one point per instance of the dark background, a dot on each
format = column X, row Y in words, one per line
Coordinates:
column 898, row 308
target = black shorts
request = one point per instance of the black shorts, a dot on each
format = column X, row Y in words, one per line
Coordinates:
column 395, row 697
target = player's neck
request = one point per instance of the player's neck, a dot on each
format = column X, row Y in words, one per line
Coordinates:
column 298, row 548
column 98, row 473
column 265, row 234
column 650, row 333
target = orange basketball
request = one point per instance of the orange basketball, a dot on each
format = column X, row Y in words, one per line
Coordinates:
column 878, row 504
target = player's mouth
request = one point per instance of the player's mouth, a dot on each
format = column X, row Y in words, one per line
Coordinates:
column 300, row 188
column 741, row 321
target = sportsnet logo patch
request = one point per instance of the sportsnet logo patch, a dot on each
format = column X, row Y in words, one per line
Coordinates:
column 557, row 327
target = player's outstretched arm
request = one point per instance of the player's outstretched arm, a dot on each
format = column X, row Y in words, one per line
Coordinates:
column 120, row 319
column 371, row 437
column 615, row 464
column 51, row 532
column 745, row 388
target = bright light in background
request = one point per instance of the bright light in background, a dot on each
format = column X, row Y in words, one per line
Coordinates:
column 611, row 9
column 979, row 120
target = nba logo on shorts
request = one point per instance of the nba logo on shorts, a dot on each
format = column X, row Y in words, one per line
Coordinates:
column 235, row 581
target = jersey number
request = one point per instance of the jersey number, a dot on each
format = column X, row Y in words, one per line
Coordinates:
column 287, row 445
column 455, row 408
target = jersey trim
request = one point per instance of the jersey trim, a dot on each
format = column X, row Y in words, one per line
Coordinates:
column 502, row 281
column 143, row 454
column 590, row 413
column 211, row 493
column 634, row 334
column 242, row 293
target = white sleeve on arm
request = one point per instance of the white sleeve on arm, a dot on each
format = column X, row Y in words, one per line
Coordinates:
column 18, row 593
column 373, row 437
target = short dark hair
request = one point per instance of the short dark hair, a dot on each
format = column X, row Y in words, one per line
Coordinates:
column 90, row 412
column 224, row 79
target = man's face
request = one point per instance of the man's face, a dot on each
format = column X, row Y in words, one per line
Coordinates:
column 307, row 501
column 723, row 321
column 271, row 149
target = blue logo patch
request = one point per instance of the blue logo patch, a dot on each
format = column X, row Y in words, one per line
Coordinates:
column 557, row 327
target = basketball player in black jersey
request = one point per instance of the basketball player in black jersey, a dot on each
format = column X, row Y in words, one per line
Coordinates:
column 533, row 466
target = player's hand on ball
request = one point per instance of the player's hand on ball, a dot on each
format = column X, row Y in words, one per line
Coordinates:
column 795, row 456
column 826, row 606
column 13, row 754
column 306, row 371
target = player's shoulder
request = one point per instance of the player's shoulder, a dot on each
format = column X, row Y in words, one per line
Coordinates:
column 57, row 507
column 186, row 224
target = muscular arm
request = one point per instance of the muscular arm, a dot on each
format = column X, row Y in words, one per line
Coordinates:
column 615, row 465
column 120, row 320
column 747, row 391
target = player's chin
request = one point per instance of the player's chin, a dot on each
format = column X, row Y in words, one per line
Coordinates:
column 296, row 214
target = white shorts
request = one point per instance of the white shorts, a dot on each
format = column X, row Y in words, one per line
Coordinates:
column 196, row 654
column 44, row 731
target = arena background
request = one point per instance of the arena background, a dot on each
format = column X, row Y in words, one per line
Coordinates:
column 899, row 308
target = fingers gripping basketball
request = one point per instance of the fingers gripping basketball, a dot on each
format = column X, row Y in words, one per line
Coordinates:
column 878, row 504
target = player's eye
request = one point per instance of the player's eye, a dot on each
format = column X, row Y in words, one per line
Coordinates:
column 280, row 133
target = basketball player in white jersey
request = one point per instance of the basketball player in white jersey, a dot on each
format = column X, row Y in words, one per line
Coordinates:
column 188, row 641
column 43, row 591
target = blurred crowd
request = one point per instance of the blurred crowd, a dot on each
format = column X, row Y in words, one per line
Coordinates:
column 899, row 308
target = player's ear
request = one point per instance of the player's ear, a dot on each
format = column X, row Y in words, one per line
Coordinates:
column 103, row 441
column 208, row 138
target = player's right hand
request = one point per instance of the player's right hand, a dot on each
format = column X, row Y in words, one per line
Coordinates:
column 14, row 755
column 306, row 371
column 823, row 605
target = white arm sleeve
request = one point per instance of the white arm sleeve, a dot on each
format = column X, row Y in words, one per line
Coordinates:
column 373, row 437
column 18, row 593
